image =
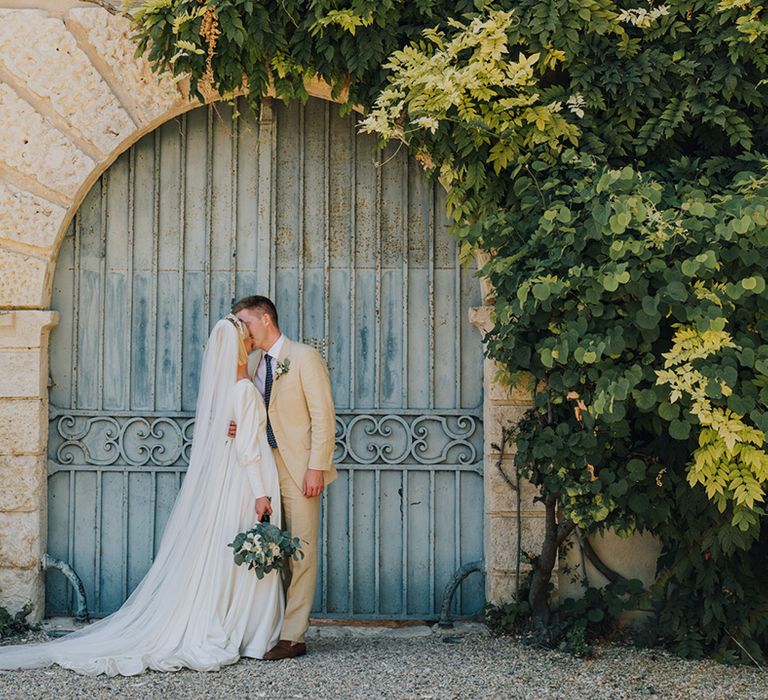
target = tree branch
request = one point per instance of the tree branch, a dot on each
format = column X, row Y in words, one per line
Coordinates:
column 597, row 562
column 105, row 5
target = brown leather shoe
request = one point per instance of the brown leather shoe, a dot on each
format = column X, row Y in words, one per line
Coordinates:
column 285, row 649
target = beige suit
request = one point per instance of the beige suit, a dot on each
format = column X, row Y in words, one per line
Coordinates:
column 303, row 421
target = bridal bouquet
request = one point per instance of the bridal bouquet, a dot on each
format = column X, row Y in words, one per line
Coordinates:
column 265, row 548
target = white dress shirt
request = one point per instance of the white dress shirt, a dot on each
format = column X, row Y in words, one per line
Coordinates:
column 261, row 371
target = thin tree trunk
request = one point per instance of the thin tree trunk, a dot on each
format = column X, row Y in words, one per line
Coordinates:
column 554, row 535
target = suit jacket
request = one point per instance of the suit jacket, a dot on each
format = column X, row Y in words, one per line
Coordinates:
column 301, row 411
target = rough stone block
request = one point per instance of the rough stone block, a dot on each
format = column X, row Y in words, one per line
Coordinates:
column 22, row 540
column 481, row 317
column 23, row 373
column 495, row 418
column 26, row 328
column 33, row 147
column 501, row 498
column 496, row 391
column 21, row 586
column 107, row 40
column 499, row 587
column 23, row 279
column 22, row 480
column 23, row 426
column 501, row 539
column 26, row 218
column 44, row 57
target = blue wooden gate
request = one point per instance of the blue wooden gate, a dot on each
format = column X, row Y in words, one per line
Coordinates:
column 357, row 256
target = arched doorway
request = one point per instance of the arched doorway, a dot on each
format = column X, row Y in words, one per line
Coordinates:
column 358, row 259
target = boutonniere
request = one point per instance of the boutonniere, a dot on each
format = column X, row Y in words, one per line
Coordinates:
column 282, row 367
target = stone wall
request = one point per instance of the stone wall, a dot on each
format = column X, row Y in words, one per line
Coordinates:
column 504, row 407
column 23, row 446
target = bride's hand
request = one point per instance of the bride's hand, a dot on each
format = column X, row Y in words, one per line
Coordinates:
column 263, row 506
column 232, row 432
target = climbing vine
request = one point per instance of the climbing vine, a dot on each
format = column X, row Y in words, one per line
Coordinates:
column 607, row 159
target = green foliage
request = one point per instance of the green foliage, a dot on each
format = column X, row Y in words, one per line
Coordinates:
column 579, row 623
column 278, row 44
column 608, row 160
column 622, row 310
column 710, row 597
column 13, row 625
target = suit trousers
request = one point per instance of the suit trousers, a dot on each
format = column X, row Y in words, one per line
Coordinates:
column 301, row 516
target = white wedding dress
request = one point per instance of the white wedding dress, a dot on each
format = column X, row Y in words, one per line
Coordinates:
column 194, row 608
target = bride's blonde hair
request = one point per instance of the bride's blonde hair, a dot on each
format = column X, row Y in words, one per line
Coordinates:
column 242, row 334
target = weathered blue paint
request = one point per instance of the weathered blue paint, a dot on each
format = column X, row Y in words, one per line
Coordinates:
column 357, row 256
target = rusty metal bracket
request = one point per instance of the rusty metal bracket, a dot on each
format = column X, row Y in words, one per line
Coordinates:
column 50, row 562
column 476, row 566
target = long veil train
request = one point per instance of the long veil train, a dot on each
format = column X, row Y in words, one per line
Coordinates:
column 174, row 617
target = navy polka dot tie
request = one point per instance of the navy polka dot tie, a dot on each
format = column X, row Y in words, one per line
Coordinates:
column 267, row 394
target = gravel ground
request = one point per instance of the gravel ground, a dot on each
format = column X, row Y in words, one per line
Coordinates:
column 421, row 666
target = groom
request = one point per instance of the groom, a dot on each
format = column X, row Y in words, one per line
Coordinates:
column 301, row 429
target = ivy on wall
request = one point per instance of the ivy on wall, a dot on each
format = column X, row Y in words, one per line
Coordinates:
column 608, row 159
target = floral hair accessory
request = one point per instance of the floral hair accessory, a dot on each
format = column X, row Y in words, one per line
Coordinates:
column 241, row 327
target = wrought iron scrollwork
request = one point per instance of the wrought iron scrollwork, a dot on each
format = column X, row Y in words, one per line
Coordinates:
column 394, row 439
column 440, row 438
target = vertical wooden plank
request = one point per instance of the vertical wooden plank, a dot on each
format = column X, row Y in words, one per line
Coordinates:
column 253, row 206
column 366, row 260
column 182, row 204
column 312, row 288
column 56, row 586
column 443, row 308
column 223, row 164
column 419, row 571
column 326, row 224
column 472, row 343
column 287, row 246
column 337, row 516
column 472, row 590
column 112, row 553
column 352, row 402
column 140, row 523
column 365, row 568
column 392, row 310
column 169, row 260
column 83, row 532
column 117, row 320
column 195, row 321
column 418, row 320
column 351, row 539
column 340, row 150
column 90, row 267
column 443, row 515
column 390, row 544
column 98, row 516
column 165, row 496
column 143, row 252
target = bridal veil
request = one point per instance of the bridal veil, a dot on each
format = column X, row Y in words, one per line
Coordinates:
column 172, row 619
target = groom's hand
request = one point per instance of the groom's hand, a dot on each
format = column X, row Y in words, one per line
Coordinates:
column 314, row 483
column 263, row 506
column 232, row 432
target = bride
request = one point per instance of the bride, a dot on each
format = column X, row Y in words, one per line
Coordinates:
column 195, row 608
